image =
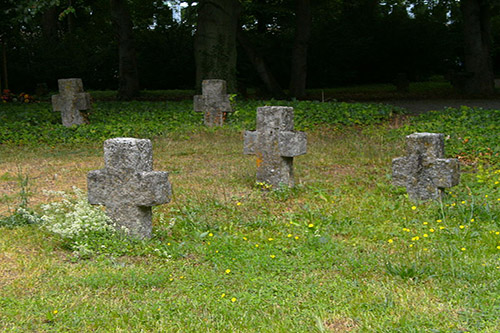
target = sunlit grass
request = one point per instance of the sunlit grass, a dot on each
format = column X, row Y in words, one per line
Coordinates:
column 339, row 252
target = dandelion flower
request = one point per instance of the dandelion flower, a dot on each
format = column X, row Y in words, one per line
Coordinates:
column 233, row 299
column 439, row 221
column 289, row 235
column 498, row 247
column 472, row 220
column 55, row 312
column 461, row 227
column 210, row 234
column 272, row 256
column 310, row 225
column 296, row 237
column 244, row 238
column 270, row 239
column 413, row 207
column 431, row 230
column 441, row 228
column 463, row 249
column 425, row 235
column 238, row 203
column 426, row 223
column 223, row 295
column 228, row 271
column 390, row 241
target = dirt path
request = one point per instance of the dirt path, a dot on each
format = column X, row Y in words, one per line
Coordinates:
column 420, row 106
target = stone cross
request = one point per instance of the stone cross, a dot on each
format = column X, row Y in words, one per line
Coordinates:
column 214, row 102
column 128, row 186
column 424, row 171
column 71, row 101
column 276, row 144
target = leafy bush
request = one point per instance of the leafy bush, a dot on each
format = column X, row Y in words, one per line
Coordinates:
column 37, row 123
column 471, row 133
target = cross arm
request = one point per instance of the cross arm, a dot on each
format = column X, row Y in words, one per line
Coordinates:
column 445, row 172
column 250, row 140
column 152, row 188
column 292, row 144
column 199, row 103
column 96, row 187
column 400, row 171
column 57, row 102
column 82, row 101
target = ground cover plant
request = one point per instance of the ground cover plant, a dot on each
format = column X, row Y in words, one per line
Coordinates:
column 342, row 251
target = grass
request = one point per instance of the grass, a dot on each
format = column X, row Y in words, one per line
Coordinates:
column 342, row 251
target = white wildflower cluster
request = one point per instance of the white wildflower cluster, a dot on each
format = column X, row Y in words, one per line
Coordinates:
column 74, row 217
column 28, row 216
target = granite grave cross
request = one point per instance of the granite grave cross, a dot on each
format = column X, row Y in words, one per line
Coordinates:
column 424, row 171
column 276, row 144
column 214, row 102
column 71, row 101
column 128, row 186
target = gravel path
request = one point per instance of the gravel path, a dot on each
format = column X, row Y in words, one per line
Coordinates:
column 420, row 106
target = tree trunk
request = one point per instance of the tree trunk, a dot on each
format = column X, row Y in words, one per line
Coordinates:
column 71, row 23
column 260, row 66
column 49, row 24
column 4, row 66
column 477, row 43
column 299, row 52
column 128, row 73
column 215, row 41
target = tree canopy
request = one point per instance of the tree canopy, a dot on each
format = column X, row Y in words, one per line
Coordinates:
column 339, row 42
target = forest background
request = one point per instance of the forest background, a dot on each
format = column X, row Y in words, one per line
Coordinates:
column 279, row 47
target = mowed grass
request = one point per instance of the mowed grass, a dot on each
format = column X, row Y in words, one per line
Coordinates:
column 342, row 251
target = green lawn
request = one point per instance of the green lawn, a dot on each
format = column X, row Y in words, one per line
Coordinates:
column 342, row 251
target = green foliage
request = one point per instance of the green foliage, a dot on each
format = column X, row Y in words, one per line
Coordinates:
column 310, row 115
column 407, row 271
column 35, row 124
column 471, row 133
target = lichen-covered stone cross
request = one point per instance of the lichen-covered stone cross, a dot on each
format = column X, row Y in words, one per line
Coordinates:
column 276, row 144
column 128, row 186
column 424, row 171
column 71, row 101
column 214, row 102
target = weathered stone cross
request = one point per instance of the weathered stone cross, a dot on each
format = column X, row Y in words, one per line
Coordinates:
column 71, row 101
column 128, row 186
column 214, row 102
column 275, row 143
column 424, row 171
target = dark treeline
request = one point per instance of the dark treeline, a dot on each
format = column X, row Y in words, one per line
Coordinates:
column 280, row 44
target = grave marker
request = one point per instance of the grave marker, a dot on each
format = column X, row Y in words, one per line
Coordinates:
column 424, row 171
column 128, row 186
column 71, row 101
column 276, row 144
column 214, row 102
